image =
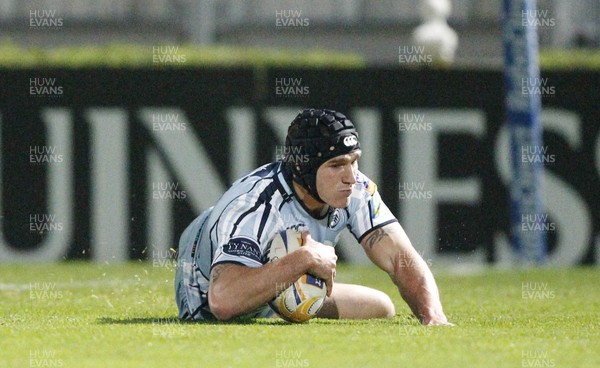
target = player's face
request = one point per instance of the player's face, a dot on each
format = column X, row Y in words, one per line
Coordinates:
column 336, row 178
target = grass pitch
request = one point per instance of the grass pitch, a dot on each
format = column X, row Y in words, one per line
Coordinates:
column 89, row 315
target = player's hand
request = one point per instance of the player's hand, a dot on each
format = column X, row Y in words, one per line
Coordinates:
column 436, row 321
column 323, row 260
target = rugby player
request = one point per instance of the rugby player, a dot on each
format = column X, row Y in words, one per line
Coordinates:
column 317, row 188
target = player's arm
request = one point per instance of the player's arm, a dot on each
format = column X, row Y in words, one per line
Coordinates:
column 235, row 290
column 390, row 249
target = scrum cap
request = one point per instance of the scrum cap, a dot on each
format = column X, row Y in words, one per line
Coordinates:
column 317, row 136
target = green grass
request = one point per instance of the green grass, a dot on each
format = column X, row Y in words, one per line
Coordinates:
column 187, row 55
column 88, row 315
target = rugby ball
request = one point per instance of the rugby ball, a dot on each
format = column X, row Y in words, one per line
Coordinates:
column 303, row 299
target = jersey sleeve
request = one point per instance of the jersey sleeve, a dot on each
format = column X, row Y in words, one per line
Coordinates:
column 367, row 210
column 243, row 231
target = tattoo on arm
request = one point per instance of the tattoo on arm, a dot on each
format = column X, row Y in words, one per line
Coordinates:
column 378, row 235
column 375, row 237
column 217, row 271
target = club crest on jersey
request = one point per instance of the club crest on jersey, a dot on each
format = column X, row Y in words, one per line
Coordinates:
column 334, row 219
column 350, row 141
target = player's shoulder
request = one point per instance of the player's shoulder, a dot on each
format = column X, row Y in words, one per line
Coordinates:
column 254, row 181
column 267, row 171
column 257, row 186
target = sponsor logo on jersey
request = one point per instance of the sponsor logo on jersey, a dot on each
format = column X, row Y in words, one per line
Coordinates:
column 243, row 247
column 298, row 227
column 369, row 185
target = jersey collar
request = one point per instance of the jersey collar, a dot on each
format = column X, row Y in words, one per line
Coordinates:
column 284, row 184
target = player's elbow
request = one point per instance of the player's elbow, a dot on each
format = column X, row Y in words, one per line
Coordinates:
column 220, row 307
column 221, row 313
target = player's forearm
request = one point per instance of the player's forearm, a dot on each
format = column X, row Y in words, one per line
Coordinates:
column 236, row 290
column 418, row 288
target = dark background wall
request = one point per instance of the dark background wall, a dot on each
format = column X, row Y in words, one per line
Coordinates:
column 178, row 137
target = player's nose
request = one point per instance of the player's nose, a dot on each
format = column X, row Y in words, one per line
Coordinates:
column 349, row 177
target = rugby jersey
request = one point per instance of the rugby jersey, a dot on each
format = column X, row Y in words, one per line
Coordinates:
column 261, row 204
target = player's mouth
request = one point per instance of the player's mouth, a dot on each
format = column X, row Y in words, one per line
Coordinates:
column 347, row 191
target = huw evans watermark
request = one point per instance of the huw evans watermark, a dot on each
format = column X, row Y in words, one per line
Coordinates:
column 405, row 329
column 291, row 87
column 280, row 287
column 40, row 155
column 413, row 55
column 164, row 258
column 43, row 223
column 168, row 327
column 537, row 86
column 44, row 291
column 537, row 154
column 44, row 358
column 290, row 358
column 536, row 222
column 290, row 154
column 537, row 18
column 414, row 190
column 167, row 122
column 167, row 55
column 168, row 190
column 536, row 290
column 536, row 359
column 291, row 18
column 413, row 123
column 405, row 261
column 45, row 87
column 44, row 19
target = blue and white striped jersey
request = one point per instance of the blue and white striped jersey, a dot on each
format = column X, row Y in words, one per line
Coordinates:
column 261, row 204
column 252, row 211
